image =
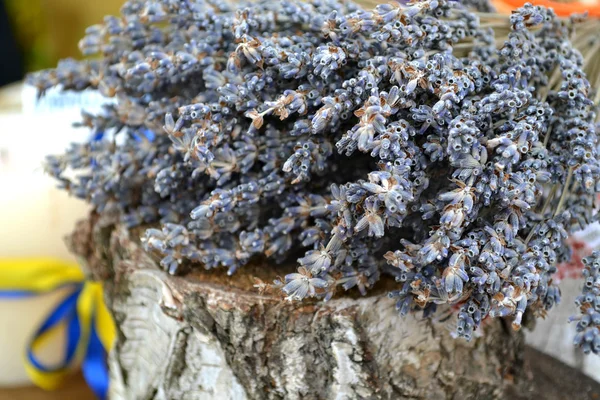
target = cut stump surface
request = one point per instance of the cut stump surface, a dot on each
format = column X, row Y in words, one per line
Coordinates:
column 197, row 337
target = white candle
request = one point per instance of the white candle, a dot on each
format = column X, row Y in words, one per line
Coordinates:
column 35, row 217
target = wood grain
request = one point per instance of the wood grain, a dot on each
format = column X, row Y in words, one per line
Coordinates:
column 196, row 338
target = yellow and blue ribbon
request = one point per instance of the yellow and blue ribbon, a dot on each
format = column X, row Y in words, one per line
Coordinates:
column 88, row 325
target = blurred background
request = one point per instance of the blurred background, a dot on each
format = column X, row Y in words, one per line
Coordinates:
column 35, row 216
column 35, row 34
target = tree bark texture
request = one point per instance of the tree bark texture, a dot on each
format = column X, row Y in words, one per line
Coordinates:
column 195, row 337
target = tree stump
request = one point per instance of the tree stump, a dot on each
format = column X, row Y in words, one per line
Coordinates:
column 209, row 336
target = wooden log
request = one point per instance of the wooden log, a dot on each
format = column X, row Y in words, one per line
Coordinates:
column 209, row 336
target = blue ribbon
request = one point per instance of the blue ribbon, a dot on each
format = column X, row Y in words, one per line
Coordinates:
column 93, row 365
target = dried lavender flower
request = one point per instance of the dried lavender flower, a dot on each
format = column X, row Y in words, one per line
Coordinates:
column 588, row 302
column 450, row 150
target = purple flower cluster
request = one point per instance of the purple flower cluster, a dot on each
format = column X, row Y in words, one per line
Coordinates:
column 588, row 323
column 409, row 141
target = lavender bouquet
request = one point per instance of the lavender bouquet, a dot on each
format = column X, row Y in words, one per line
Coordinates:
column 431, row 143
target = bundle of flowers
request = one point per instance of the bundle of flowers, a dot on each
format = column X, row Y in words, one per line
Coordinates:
column 449, row 149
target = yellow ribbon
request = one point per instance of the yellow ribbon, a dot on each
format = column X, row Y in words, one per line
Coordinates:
column 83, row 307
